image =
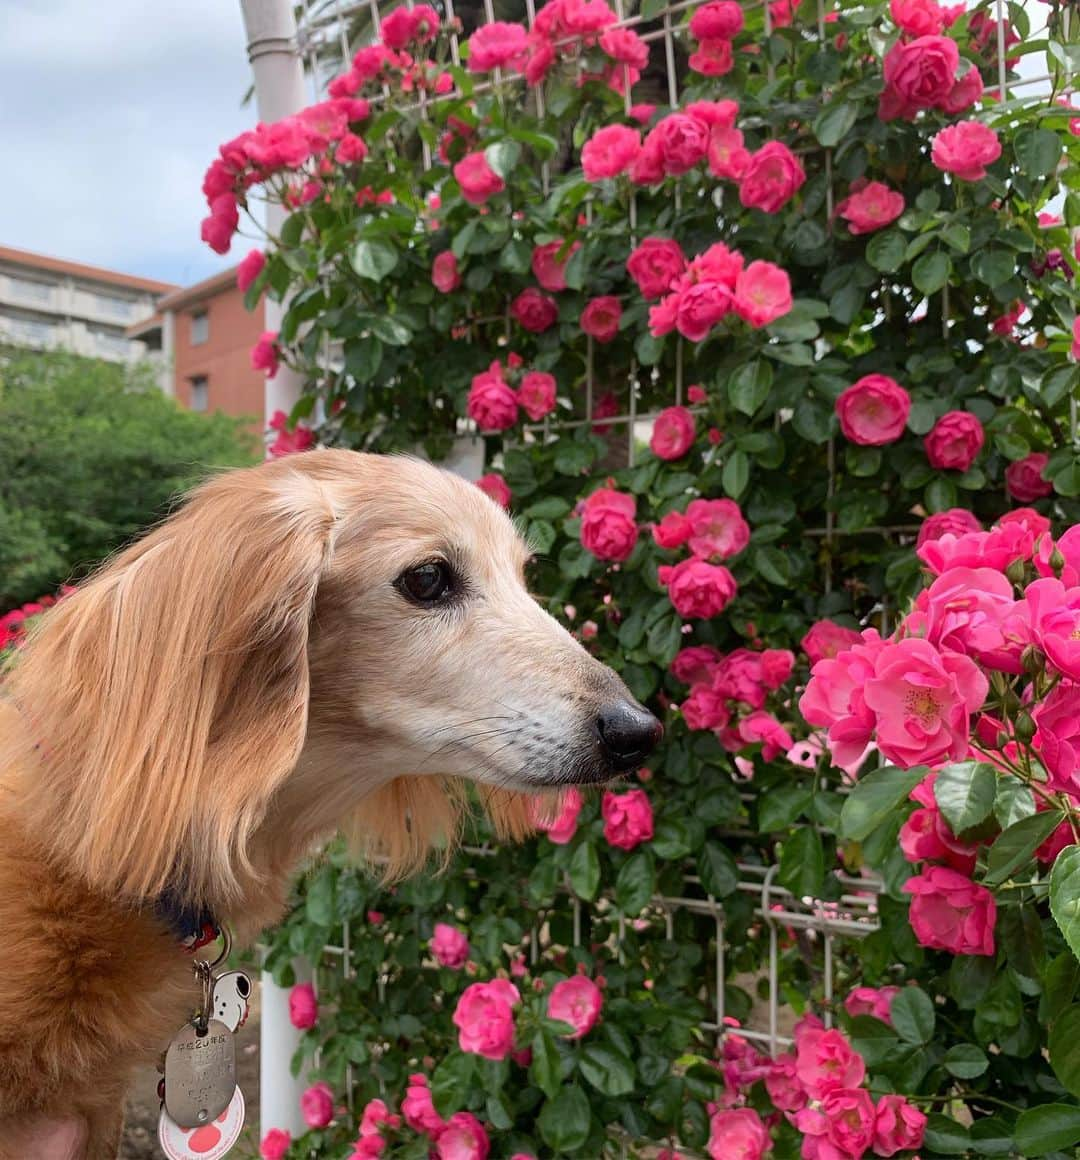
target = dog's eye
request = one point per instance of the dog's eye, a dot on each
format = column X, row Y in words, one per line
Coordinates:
column 428, row 583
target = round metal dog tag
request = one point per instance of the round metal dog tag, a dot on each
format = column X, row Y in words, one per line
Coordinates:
column 210, row 1142
column 200, row 1074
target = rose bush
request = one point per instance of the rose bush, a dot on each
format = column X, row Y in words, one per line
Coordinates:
column 861, row 256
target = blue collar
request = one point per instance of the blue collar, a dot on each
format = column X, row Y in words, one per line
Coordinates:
column 193, row 927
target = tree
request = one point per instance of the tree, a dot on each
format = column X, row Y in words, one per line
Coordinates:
column 91, row 454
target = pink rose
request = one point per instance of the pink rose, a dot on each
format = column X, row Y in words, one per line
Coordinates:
column 898, row 1126
column 628, row 818
column 713, row 58
column 764, row 727
column 404, row 25
column 698, row 308
column 418, row 1108
column 625, row 46
column 655, row 264
column 871, row 1001
column 275, row 1144
column 477, row 180
column 601, row 318
column 462, row 1138
column 777, row 665
column 444, row 272
column 729, row 159
column 826, row 638
column 919, row 74
column 450, row 946
column 375, row 1115
column 497, row 45
column 997, row 548
column 217, row 229
column 1057, row 737
column 923, row 701
column 873, row 411
column 350, row 149
column 577, row 1001
column 738, row 1134
column 955, row 441
column 549, row 269
column 1024, row 478
column 303, row 1006
column 317, row 1105
column 266, row 353
column 492, row 405
column 537, row 394
column 249, row 269
column 562, row 828
column 695, row 664
column 835, row 699
column 762, row 294
column 494, row 486
column 966, row 92
column 673, row 433
column 965, row 150
column 717, row 528
column 843, row 1127
column 772, row 178
column 682, row 142
column 972, row 611
column 950, row 912
column 717, row 20
column 705, row 708
column 609, row 152
column 953, row 522
column 739, row 677
column 1067, row 546
column 1055, row 624
column 698, row 590
column 825, row 1062
column 672, row 531
column 534, row 311
column 917, row 17
column 783, row 1085
column 870, row 208
column 608, row 527
column 484, row 1017
column 926, row 837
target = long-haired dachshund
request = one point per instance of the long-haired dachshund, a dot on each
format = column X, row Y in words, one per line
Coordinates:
column 331, row 640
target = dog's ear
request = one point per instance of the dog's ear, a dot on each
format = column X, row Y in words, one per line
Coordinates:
column 169, row 693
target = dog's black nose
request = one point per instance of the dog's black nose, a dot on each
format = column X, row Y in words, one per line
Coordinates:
column 628, row 734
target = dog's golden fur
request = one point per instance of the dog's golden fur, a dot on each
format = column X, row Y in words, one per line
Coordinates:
column 220, row 697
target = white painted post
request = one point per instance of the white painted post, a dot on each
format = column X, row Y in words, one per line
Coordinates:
column 279, row 91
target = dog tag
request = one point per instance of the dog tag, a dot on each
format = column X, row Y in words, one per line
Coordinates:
column 232, row 992
column 211, row 1141
column 200, row 1074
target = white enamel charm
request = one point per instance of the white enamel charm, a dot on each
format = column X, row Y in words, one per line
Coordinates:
column 232, row 992
column 210, row 1142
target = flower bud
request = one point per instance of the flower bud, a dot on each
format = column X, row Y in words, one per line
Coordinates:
column 1015, row 571
column 1057, row 562
column 1032, row 660
column 1025, row 727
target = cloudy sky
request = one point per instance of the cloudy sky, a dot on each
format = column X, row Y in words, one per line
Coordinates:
column 110, row 111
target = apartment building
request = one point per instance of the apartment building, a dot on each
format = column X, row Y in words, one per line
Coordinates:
column 203, row 337
column 48, row 303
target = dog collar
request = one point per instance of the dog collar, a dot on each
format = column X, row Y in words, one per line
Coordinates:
column 193, row 927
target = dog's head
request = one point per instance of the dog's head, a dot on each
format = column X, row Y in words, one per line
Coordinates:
column 314, row 635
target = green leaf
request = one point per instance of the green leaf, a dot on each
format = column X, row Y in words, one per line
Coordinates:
column 1037, row 151
column 773, row 565
column 946, row 1136
column 1015, row 846
column 993, row 266
column 451, row 1080
column 749, row 386
column 780, row 805
column 1064, row 1045
column 957, row 236
column 834, row 122
column 965, row 793
column 374, row 260
column 319, row 897
column 912, row 1015
column 965, row 1061
column 584, row 871
column 736, row 474
column 503, row 157
column 885, row 251
column 874, row 797
column 636, row 883
column 931, row 272
column 544, row 1069
column 1014, row 801
column 609, row 1071
column 1047, row 1128
column 665, row 640
column 1065, row 896
column 802, row 863
column 717, row 871
column 392, row 332
column 576, row 270
column 564, row 1121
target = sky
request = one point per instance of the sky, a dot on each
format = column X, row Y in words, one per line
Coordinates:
column 110, row 111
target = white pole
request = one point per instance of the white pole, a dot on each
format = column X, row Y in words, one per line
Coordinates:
column 279, row 92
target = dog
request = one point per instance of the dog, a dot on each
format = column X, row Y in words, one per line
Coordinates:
column 323, row 642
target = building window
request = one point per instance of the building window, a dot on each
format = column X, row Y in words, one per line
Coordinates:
column 29, row 290
column 27, row 331
column 114, row 307
column 200, row 328
column 110, row 344
column 200, row 391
